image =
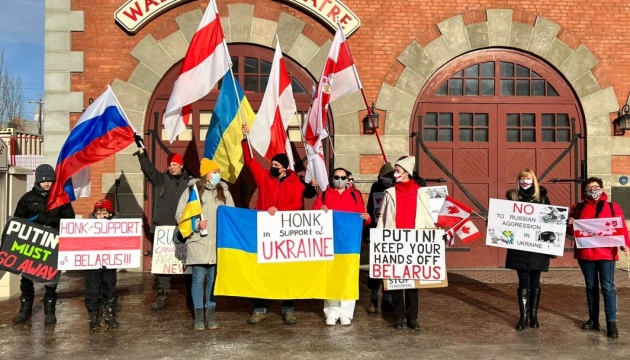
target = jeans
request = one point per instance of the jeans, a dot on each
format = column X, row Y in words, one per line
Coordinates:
column 528, row 279
column 596, row 273
column 199, row 274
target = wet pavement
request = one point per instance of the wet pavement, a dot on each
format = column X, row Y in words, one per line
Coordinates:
column 473, row 318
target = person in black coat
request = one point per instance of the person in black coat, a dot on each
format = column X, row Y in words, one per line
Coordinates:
column 528, row 265
column 168, row 188
column 32, row 207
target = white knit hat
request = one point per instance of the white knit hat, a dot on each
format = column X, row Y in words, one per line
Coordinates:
column 407, row 163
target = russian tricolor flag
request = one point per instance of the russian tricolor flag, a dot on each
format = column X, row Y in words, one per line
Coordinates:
column 102, row 130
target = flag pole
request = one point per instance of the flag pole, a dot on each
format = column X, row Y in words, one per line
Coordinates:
column 367, row 106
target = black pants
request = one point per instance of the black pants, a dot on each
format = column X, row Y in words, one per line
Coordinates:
column 405, row 306
column 528, row 279
column 28, row 289
column 164, row 283
column 100, row 288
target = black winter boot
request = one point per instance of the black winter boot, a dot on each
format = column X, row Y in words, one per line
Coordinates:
column 160, row 301
column 611, row 329
column 109, row 313
column 200, row 323
column 523, row 306
column 26, row 309
column 591, row 324
column 534, row 299
column 93, row 320
column 49, row 311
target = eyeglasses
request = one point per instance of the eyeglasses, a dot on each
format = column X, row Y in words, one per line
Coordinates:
column 337, row 177
column 592, row 188
column 350, row 179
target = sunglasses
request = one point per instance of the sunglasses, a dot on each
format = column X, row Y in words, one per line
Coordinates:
column 337, row 177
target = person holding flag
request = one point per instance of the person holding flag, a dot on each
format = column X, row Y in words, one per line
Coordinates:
column 528, row 265
column 205, row 196
column 32, row 207
column 405, row 206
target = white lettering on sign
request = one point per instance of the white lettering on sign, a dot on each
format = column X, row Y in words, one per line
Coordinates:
column 134, row 14
column 329, row 11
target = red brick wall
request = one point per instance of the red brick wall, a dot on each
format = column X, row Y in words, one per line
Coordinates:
column 621, row 164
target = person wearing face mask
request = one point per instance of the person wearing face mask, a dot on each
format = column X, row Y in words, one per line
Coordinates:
column 384, row 181
column 340, row 196
column 528, row 265
column 32, row 207
column 405, row 206
column 201, row 250
column 168, row 187
column 598, row 264
column 279, row 189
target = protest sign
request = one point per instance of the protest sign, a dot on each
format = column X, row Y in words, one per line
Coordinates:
column 393, row 284
column 600, row 232
column 525, row 226
column 437, row 196
column 407, row 254
column 294, row 236
column 30, row 249
column 86, row 244
column 169, row 254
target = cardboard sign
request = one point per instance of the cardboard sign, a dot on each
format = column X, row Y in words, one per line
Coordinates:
column 525, row 226
column 600, row 232
column 86, row 244
column 407, row 254
column 293, row 236
column 31, row 250
column 169, row 255
column 437, row 196
column 391, row 284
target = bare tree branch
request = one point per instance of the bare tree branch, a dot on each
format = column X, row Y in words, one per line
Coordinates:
column 11, row 96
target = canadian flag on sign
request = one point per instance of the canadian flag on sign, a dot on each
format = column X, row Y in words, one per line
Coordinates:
column 452, row 213
column 468, row 232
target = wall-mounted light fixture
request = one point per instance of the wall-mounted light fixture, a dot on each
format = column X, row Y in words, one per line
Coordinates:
column 368, row 127
column 622, row 122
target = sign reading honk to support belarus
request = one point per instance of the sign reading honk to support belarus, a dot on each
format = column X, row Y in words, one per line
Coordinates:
column 292, row 236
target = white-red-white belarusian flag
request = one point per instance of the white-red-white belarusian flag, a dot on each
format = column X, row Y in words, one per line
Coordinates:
column 339, row 78
column 206, row 62
column 467, row 231
column 269, row 132
column 452, row 213
column 599, row 232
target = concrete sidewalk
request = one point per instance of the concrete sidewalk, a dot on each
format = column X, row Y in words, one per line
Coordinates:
column 473, row 318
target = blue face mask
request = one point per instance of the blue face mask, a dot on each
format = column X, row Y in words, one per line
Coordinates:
column 215, row 179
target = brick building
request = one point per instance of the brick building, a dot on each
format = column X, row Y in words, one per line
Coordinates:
column 475, row 90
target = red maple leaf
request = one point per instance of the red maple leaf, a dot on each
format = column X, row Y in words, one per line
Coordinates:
column 465, row 229
column 453, row 209
column 607, row 223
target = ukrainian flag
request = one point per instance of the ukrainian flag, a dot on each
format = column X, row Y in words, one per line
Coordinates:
column 240, row 274
column 191, row 211
column 223, row 140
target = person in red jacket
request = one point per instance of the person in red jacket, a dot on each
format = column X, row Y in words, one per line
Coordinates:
column 341, row 196
column 279, row 189
column 598, row 264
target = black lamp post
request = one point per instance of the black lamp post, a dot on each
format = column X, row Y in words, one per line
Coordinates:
column 622, row 123
column 368, row 127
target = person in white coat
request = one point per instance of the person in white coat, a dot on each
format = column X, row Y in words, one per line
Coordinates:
column 405, row 206
column 202, row 249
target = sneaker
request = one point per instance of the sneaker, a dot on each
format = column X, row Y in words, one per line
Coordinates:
column 399, row 324
column 256, row 317
column 345, row 321
column 289, row 318
column 331, row 321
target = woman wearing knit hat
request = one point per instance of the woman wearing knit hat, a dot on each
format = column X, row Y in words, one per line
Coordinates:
column 405, row 206
column 202, row 250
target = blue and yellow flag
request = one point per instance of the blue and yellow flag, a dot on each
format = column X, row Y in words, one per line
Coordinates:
column 191, row 211
column 240, row 274
column 223, row 140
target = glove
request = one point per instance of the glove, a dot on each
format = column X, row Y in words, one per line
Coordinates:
column 138, row 139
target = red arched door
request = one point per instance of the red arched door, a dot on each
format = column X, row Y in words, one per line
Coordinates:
column 251, row 66
column 485, row 116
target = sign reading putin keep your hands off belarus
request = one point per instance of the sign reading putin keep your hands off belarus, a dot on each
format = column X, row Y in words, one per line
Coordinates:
column 525, row 226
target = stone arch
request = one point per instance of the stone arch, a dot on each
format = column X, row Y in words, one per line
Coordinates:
column 575, row 63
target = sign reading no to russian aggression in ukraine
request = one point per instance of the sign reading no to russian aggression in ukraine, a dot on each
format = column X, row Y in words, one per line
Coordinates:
column 30, row 249
column 525, row 226
column 407, row 254
column 169, row 255
column 96, row 243
column 291, row 236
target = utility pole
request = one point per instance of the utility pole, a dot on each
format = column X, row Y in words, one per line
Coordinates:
column 40, row 104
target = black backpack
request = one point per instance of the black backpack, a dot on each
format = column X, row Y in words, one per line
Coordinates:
column 598, row 209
